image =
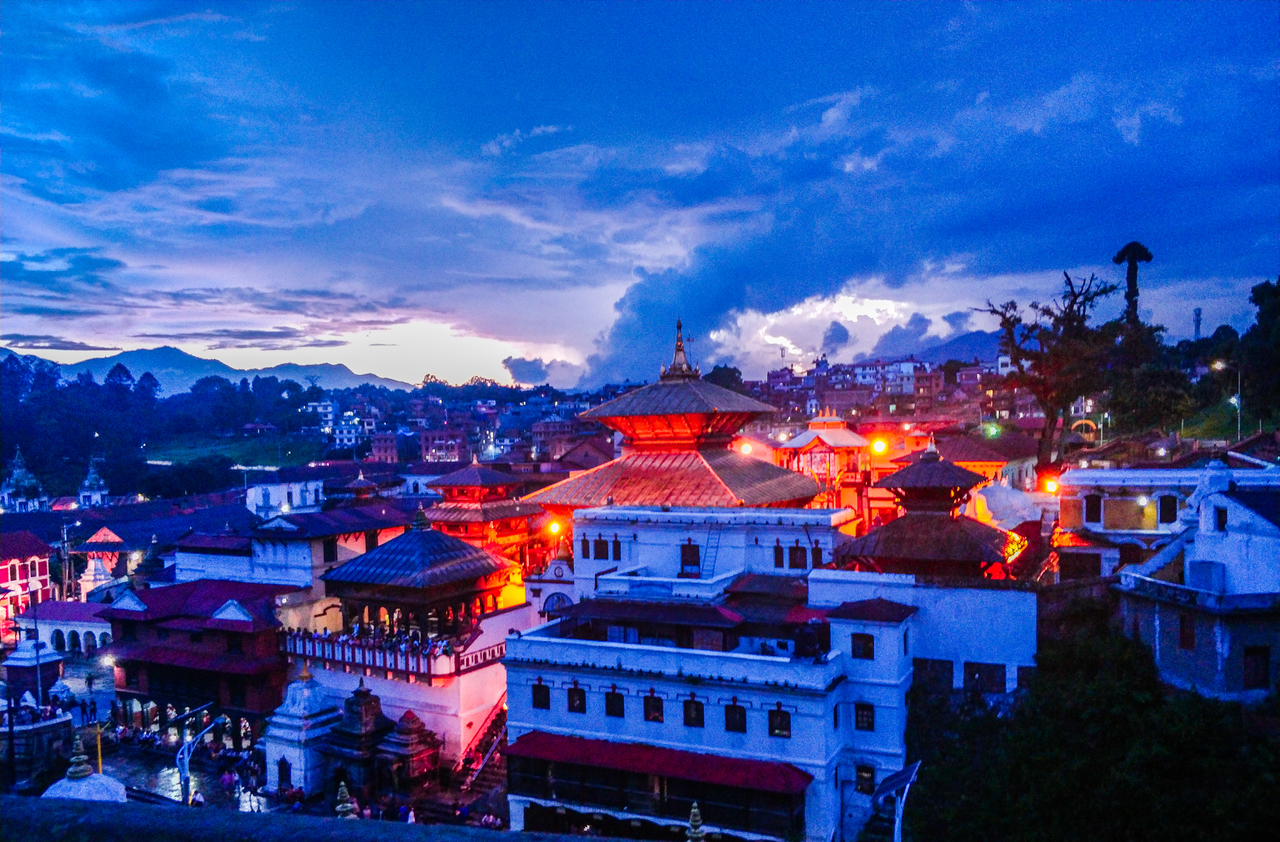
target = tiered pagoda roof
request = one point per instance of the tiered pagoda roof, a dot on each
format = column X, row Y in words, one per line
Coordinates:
column 476, row 494
column 676, row 452
column 931, row 537
column 420, row 558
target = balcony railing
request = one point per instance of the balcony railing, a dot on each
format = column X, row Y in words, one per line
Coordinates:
column 416, row 664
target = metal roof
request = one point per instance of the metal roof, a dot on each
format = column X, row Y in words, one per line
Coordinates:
column 933, row 537
column 931, row 471
column 420, row 558
column 678, row 397
column 481, row 512
column 475, row 476
column 711, row 477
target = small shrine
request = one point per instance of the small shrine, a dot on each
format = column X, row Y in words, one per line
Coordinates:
column 83, row 783
column 833, row 456
column 351, row 745
column 294, row 735
column 408, row 758
column 932, row 537
column 93, row 491
column 21, row 668
column 21, row 491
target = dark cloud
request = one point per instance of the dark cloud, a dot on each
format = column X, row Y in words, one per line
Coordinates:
column 529, row 372
column 959, row 320
column 49, row 343
column 904, row 340
column 273, row 339
column 97, row 115
column 83, row 269
column 834, row 338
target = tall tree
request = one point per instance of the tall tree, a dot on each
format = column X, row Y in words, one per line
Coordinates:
column 1056, row 355
column 1259, row 353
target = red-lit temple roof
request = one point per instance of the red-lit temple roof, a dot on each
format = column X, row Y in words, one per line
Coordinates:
column 475, row 475
column 918, row 536
column 760, row 775
column 711, row 477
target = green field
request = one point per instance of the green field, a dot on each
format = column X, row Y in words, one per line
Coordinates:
column 255, row 450
column 1219, row 422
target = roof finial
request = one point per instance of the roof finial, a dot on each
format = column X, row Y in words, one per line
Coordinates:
column 933, row 447
column 305, row 675
column 680, row 368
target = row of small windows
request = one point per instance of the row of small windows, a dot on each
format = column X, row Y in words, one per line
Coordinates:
column 602, row 548
column 735, row 715
column 1167, row 505
column 796, row 557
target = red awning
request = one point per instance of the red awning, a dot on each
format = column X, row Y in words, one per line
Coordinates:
column 760, row 775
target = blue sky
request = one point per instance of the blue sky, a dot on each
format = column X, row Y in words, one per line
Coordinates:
column 541, row 189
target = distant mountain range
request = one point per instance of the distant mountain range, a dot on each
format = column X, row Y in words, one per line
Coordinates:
column 178, row 371
column 966, row 348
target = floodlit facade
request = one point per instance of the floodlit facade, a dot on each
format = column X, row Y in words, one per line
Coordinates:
column 749, row 678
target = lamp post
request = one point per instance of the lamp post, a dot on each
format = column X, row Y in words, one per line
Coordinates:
column 1238, row 399
column 34, row 590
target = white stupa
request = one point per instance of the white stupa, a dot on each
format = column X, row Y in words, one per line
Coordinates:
column 82, row 783
column 295, row 730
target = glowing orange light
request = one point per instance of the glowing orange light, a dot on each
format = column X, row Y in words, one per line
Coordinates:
column 1051, row 486
column 746, row 448
column 879, row 446
column 554, row 527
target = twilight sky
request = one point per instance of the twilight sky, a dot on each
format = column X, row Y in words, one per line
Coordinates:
column 538, row 190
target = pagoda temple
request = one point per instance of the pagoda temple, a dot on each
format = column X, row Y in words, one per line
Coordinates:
column 676, row 451
column 479, row 507
column 932, row 538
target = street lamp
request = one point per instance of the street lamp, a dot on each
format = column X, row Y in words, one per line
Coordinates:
column 1237, row 400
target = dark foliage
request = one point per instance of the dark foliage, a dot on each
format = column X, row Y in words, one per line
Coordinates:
column 1096, row 748
column 727, row 377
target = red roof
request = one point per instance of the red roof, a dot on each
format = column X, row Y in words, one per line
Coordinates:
column 22, row 545
column 192, row 659
column 760, row 775
column 872, row 610
column 711, row 477
column 60, row 611
column 199, row 601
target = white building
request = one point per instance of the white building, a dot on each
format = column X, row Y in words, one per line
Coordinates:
column 287, row 491
column 324, row 412
column 293, row 549
column 707, row 660
column 1135, row 511
column 349, row 430
column 1208, row 603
